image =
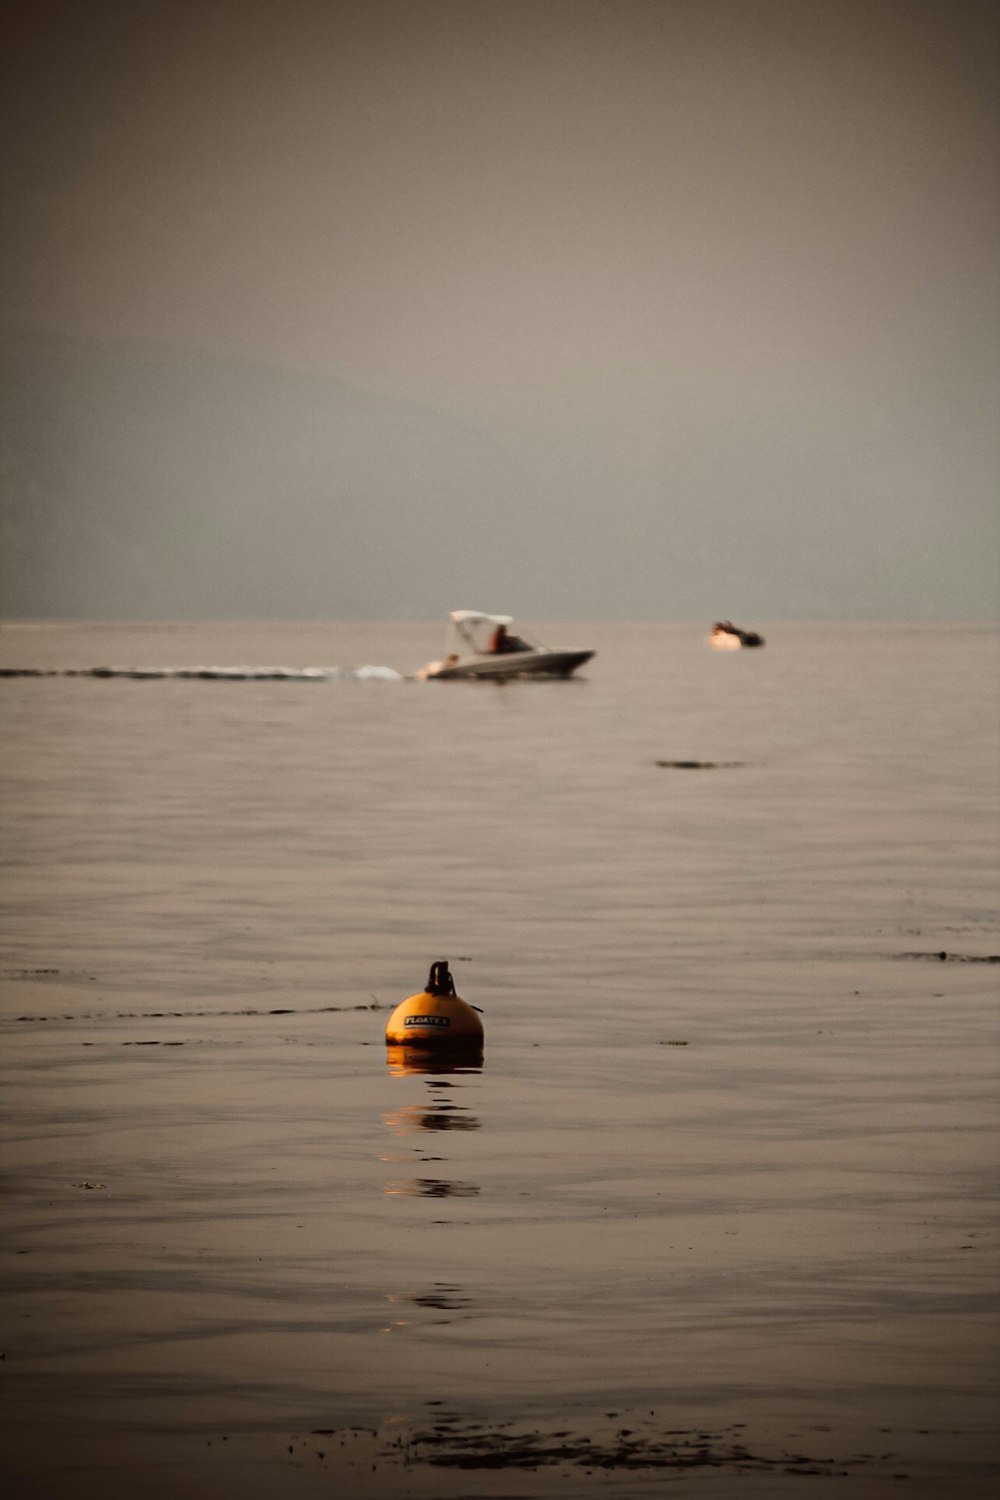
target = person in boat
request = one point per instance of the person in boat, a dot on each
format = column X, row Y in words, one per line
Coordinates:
column 501, row 642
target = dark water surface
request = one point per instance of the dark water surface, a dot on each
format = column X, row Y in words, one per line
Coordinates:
column 717, row 1215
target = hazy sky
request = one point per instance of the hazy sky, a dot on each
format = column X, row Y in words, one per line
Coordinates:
column 734, row 258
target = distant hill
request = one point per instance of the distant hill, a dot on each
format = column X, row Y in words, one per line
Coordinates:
column 143, row 481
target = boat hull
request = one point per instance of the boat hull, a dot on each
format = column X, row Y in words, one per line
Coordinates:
column 735, row 640
column 516, row 664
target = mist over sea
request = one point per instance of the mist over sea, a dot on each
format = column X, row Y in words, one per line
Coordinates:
column 719, row 1208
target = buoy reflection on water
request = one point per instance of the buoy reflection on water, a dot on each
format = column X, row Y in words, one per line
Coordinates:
column 433, row 1116
column 404, row 1062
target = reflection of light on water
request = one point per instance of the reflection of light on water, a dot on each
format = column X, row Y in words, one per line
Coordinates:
column 430, row 1187
column 415, row 1117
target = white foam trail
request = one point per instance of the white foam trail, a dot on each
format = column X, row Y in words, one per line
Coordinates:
column 216, row 674
column 384, row 674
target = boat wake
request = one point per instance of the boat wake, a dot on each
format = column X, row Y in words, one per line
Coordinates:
column 217, row 674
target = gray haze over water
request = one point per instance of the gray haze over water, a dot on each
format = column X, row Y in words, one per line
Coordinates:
column 654, row 309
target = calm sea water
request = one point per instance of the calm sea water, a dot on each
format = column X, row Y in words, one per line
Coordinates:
column 718, row 1210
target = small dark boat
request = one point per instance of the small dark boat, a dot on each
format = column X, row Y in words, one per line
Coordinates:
column 728, row 637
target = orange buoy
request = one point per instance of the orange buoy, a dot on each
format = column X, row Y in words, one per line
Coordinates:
column 436, row 1018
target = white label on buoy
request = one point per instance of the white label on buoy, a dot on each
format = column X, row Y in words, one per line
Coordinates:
column 427, row 1021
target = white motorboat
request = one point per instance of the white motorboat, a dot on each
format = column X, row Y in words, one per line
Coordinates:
column 480, row 645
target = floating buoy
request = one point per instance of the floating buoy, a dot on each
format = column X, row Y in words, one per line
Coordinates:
column 436, row 1019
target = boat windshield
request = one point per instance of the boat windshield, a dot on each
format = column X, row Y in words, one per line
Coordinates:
column 485, row 634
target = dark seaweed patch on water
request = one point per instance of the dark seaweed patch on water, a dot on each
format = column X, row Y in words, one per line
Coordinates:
column 198, row 1015
column 442, row 1298
column 613, row 1441
column 451, row 1442
column 72, row 976
column 702, row 765
column 152, row 1044
column 942, row 956
column 634, row 1443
